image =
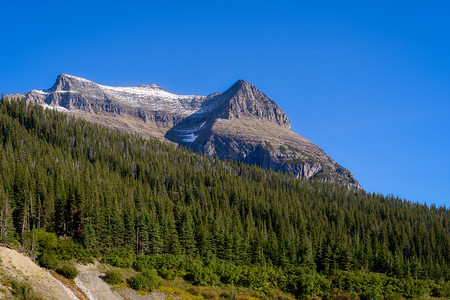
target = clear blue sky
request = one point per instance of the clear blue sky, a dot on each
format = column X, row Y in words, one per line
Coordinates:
column 368, row 82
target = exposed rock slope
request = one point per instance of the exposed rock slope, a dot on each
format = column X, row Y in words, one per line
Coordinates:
column 240, row 124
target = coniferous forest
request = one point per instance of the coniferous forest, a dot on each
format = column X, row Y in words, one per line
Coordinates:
column 81, row 191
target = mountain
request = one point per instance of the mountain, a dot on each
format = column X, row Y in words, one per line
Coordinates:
column 240, row 124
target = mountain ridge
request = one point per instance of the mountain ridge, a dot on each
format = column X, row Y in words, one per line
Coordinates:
column 241, row 123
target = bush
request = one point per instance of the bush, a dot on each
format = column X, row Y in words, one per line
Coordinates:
column 23, row 291
column 168, row 274
column 143, row 262
column 142, row 283
column 45, row 240
column 254, row 277
column 269, row 146
column 113, row 277
column 67, row 249
column 228, row 272
column 39, row 240
column 68, row 271
column 48, row 261
column 120, row 259
column 198, row 274
column 306, row 282
column 153, row 277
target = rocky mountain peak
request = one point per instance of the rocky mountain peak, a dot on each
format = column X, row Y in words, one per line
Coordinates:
column 246, row 101
column 65, row 82
column 241, row 84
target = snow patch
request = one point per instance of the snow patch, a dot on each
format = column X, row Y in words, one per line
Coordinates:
column 188, row 135
column 154, row 97
column 75, row 77
column 40, row 92
column 189, row 138
column 58, row 108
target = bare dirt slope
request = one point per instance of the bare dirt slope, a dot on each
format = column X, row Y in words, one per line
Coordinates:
column 18, row 266
column 15, row 265
column 91, row 282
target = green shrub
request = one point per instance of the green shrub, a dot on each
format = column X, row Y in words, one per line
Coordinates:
column 67, row 249
column 68, row 271
column 371, row 295
column 293, row 149
column 176, row 263
column 143, row 262
column 168, row 274
column 254, row 277
column 113, row 277
column 199, row 274
column 295, row 161
column 228, row 273
column 142, row 283
column 441, row 289
column 23, row 291
column 45, row 240
column 306, row 282
column 269, row 146
column 39, row 241
column 283, row 149
column 152, row 275
column 48, row 261
column 120, row 259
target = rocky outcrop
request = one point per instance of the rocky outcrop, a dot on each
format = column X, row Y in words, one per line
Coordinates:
column 245, row 101
column 240, row 124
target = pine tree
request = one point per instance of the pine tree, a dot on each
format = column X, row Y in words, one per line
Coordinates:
column 155, row 239
column 187, row 239
column 6, row 220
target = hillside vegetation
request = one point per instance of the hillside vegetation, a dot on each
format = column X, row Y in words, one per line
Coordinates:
column 70, row 189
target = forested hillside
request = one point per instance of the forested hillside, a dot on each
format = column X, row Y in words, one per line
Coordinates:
column 125, row 197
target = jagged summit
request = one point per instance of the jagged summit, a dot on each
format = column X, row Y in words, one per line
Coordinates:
column 240, row 83
column 245, row 100
column 64, row 76
column 65, row 82
column 241, row 123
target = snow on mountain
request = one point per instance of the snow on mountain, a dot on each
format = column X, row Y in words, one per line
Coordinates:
column 152, row 96
column 241, row 124
column 149, row 97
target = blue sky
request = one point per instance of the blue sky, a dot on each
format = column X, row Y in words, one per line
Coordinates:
column 369, row 82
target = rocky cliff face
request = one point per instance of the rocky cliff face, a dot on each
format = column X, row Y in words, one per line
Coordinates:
column 240, row 124
column 246, row 101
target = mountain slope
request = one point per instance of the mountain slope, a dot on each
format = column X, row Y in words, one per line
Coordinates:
column 240, row 124
column 100, row 191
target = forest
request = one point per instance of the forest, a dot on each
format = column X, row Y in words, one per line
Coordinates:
column 82, row 191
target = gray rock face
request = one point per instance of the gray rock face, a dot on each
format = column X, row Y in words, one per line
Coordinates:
column 240, row 124
column 245, row 100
